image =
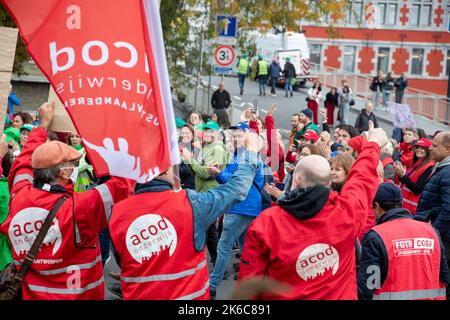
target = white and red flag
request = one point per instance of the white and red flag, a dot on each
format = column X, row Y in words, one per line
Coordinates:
column 106, row 61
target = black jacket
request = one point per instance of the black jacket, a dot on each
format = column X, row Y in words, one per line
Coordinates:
column 289, row 70
column 374, row 253
column 220, row 100
column 362, row 122
column 333, row 99
column 377, row 83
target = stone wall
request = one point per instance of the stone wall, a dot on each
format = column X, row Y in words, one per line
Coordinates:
column 31, row 95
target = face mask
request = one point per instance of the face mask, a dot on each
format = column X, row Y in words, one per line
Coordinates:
column 74, row 176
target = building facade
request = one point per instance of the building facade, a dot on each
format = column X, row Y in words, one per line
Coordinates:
column 402, row 36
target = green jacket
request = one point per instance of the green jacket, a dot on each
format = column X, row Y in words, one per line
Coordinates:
column 209, row 155
column 5, row 247
column 298, row 135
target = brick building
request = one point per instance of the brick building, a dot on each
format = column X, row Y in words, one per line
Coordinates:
column 409, row 36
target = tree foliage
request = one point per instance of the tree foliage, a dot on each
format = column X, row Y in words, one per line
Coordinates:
column 183, row 21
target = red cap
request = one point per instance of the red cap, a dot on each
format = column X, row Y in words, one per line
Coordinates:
column 425, row 143
column 53, row 153
column 311, row 135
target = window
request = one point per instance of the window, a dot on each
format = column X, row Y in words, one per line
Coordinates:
column 392, row 14
column 420, row 15
column 383, row 60
column 315, row 54
column 425, row 16
column 356, row 15
column 417, row 61
column 447, row 69
column 414, row 15
column 382, row 8
column 349, row 58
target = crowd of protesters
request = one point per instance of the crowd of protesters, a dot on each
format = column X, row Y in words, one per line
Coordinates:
column 329, row 216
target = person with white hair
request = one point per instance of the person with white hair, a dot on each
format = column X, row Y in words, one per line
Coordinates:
column 308, row 241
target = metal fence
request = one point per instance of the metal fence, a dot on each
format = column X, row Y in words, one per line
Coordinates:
column 434, row 107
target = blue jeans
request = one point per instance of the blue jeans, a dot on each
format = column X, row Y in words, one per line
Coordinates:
column 241, row 81
column 386, row 98
column 344, row 110
column 234, row 229
column 105, row 244
column 274, row 83
column 375, row 98
column 288, row 85
column 262, row 84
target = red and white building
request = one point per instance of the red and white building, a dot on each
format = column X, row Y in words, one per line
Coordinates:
column 402, row 36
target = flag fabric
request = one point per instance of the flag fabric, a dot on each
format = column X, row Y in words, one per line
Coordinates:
column 106, row 62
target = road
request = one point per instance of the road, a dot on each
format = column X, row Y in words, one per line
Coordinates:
column 285, row 106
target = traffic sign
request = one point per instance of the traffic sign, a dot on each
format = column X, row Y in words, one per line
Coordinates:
column 220, row 70
column 224, row 56
column 227, row 26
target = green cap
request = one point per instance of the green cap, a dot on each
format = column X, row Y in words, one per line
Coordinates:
column 27, row 126
column 180, row 123
column 260, row 57
column 12, row 134
column 211, row 125
column 287, row 58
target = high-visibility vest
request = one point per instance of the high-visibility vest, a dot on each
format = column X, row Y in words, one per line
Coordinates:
column 411, row 199
column 68, row 265
column 263, row 68
column 243, row 66
column 153, row 234
column 414, row 259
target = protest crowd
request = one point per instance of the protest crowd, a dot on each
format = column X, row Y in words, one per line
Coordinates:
column 172, row 196
column 327, row 217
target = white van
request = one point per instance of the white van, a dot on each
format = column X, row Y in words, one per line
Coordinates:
column 282, row 45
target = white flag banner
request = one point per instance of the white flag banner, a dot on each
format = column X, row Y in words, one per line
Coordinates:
column 401, row 115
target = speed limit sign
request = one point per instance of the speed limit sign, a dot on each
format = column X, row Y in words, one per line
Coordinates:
column 224, row 56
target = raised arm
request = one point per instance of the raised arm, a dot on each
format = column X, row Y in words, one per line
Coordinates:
column 361, row 185
column 21, row 173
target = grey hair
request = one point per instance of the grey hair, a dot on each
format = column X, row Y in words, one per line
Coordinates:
column 314, row 170
column 48, row 175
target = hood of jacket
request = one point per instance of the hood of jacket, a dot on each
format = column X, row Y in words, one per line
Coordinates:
column 444, row 162
column 305, row 203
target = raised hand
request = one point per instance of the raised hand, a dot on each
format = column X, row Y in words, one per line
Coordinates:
column 371, row 125
column 186, row 154
column 46, row 112
column 3, row 146
column 272, row 109
column 379, row 136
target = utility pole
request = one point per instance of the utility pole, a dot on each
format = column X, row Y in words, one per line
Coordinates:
column 199, row 70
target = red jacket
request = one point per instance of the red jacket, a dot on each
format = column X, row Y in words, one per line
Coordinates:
column 68, row 266
column 411, row 199
column 414, row 255
column 276, row 164
column 315, row 257
column 153, row 235
column 407, row 154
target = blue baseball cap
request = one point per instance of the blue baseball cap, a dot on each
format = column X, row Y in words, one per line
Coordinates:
column 241, row 126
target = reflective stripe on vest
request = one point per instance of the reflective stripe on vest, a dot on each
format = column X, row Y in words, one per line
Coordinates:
column 65, row 291
column 412, row 294
column 107, row 199
column 163, row 277
column 87, row 265
column 22, row 177
column 263, row 68
column 410, row 202
column 243, row 66
column 196, row 294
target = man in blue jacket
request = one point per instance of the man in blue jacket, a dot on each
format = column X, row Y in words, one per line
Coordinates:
column 434, row 203
column 241, row 215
